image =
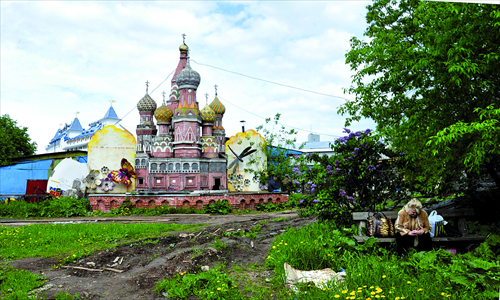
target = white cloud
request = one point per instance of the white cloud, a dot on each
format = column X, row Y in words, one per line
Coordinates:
column 62, row 57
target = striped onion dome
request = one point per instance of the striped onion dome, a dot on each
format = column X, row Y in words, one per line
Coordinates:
column 163, row 113
column 208, row 114
column 146, row 104
column 188, row 78
column 217, row 106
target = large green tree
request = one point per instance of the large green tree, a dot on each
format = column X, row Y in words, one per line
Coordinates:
column 14, row 140
column 425, row 66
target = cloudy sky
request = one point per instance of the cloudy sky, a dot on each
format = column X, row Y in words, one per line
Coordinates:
column 58, row 58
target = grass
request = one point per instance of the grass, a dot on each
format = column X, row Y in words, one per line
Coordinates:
column 75, row 240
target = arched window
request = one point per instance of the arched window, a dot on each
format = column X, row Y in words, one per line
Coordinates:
column 177, row 166
column 153, row 167
column 194, row 166
column 170, row 166
column 137, row 162
column 143, row 162
column 163, row 166
column 185, row 166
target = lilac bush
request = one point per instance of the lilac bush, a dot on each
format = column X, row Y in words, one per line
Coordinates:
column 362, row 174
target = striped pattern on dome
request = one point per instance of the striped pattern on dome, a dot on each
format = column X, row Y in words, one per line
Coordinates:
column 163, row 114
column 146, row 104
column 217, row 106
column 208, row 114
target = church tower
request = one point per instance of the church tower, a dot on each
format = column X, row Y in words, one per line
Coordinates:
column 146, row 128
column 218, row 131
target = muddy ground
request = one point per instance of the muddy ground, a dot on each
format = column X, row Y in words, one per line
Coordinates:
column 136, row 267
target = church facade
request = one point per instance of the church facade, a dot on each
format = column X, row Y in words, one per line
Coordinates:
column 184, row 149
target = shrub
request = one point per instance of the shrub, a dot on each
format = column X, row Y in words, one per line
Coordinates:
column 220, row 207
column 354, row 179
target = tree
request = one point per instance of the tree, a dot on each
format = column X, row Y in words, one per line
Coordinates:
column 424, row 67
column 355, row 178
column 280, row 143
column 14, row 141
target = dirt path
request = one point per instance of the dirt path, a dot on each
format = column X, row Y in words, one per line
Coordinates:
column 139, row 265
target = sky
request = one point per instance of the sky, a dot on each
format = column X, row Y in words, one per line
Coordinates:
column 61, row 57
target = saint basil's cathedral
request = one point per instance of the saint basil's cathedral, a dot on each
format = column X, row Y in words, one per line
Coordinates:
column 184, row 150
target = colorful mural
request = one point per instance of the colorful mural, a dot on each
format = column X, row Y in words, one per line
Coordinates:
column 107, row 149
column 245, row 156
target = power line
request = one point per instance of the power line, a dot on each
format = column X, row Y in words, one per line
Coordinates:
column 151, row 93
column 268, row 81
column 278, row 122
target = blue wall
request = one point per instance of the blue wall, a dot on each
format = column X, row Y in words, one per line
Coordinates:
column 13, row 178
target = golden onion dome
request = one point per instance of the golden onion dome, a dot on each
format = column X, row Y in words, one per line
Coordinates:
column 208, row 114
column 183, row 48
column 217, row 106
column 163, row 114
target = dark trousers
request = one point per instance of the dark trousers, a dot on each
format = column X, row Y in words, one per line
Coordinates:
column 405, row 242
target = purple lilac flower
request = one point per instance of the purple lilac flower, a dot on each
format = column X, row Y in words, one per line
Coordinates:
column 347, row 130
column 367, row 131
column 297, row 156
column 370, row 167
column 352, row 135
column 316, row 201
column 313, row 185
column 367, row 209
column 301, row 200
column 354, row 203
column 353, row 153
column 402, row 153
column 345, row 159
column 336, row 170
column 358, row 133
column 356, row 149
column 309, row 183
column 328, row 167
column 336, row 165
column 363, row 145
column 349, row 198
column 296, row 182
column 312, row 190
column 350, row 157
column 308, row 154
column 329, row 172
column 342, row 193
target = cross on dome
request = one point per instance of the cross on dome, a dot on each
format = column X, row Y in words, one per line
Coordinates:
column 163, row 97
column 147, row 85
column 215, row 86
column 206, row 98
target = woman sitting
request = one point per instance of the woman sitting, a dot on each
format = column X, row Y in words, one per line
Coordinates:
column 412, row 228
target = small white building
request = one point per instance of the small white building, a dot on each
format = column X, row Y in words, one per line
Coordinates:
column 75, row 137
column 314, row 145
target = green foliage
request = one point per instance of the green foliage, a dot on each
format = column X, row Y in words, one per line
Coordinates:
column 372, row 270
column 213, row 284
column 220, row 207
column 279, row 142
column 421, row 69
column 219, row 244
column 75, row 240
column 66, row 296
column 65, row 207
column 16, row 284
column 482, row 136
column 15, row 141
column 353, row 179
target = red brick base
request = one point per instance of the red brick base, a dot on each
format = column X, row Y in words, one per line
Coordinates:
column 105, row 202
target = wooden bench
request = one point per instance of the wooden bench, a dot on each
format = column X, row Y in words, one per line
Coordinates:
column 459, row 215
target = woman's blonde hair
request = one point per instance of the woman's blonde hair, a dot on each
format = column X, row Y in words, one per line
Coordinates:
column 414, row 203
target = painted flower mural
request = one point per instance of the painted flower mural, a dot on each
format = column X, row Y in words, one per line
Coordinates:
column 93, row 179
column 107, row 185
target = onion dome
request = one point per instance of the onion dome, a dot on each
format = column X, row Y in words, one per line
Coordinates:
column 188, row 78
column 163, row 113
column 184, row 48
column 217, row 106
column 208, row 114
column 146, row 104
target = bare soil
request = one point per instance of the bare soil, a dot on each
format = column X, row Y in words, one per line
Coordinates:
column 136, row 267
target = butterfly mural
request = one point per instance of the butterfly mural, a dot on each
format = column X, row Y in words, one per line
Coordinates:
column 124, row 175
